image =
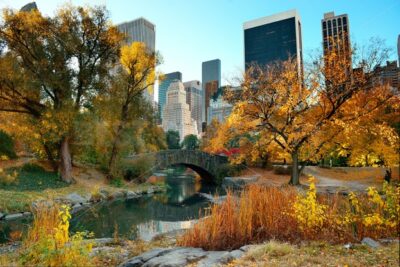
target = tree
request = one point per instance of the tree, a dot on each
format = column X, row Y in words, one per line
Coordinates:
column 63, row 63
column 173, row 139
column 137, row 74
column 300, row 116
column 190, row 142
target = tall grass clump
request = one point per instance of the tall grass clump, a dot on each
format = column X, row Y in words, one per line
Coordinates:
column 259, row 214
column 49, row 243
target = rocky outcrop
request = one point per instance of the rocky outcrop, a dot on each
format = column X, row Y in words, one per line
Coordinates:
column 182, row 256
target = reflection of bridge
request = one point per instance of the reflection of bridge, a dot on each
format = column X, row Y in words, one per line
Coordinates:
column 205, row 164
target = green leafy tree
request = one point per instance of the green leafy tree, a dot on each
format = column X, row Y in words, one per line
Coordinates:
column 173, row 139
column 190, row 142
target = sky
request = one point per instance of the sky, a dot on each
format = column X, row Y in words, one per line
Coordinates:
column 189, row 32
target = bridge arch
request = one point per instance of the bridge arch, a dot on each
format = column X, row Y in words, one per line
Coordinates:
column 205, row 164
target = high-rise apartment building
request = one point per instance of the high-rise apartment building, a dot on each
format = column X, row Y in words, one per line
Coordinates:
column 194, row 98
column 29, row 7
column 273, row 38
column 211, row 81
column 387, row 75
column 141, row 30
column 336, row 34
column 163, row 88
column 176, row 113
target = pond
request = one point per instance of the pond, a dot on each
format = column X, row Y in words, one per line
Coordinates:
column 145, row 217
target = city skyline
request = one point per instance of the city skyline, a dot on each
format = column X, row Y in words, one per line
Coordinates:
column 221, row 35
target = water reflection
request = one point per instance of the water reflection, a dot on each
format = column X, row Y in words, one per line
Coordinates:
column 146, row 217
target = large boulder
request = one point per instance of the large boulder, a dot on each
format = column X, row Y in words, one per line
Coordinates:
column 75, row 198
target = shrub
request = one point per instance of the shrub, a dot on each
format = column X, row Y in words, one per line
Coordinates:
column 31, row 167
column 49, row 243
column 6, row 145
column 138, row 168
column 117, row 182
column 8, row 178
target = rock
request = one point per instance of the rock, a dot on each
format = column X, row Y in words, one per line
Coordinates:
column 236, row 254
column 101, row 250
column 215, row 258
column 150, row 190
column 177, row 257
column 348, row 246
column 389, row 240
column 247, row 248
column 105, row 192
column 132, row 263
column 370, row 242
column 131, row 195
column 2, row 215
column 75, row 208
column 212, row 199
column 118, row 194
column 27, row 213
column 238, row 182
column 75, row 198
column 10, row 217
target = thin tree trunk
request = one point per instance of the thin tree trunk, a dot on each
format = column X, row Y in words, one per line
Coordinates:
column 65, row 161
column 295, row 177
column 50, row 157
column 114, row 152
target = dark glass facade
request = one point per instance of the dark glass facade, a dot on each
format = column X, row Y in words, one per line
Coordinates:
column 270, row 42
column 211, row 81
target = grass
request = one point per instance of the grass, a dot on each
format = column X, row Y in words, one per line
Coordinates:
column 35, row 183
column 275, row 253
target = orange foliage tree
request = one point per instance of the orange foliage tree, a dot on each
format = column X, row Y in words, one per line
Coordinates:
column 299, row 116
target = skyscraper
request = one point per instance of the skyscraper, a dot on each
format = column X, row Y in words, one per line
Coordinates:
column 194, row 98
column 219, row 108
column 163, row 88
column 141, row 30
column 335, row 32
column 176, row 112
column 29, row 7
column 273, row 38
column 398, row 49
column 211, row 81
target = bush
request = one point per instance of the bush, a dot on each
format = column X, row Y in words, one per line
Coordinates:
column 49, row 242
column 228, row 170
column 7, row 146
column 138, row 168
column 117, row 182
column 8, row 178
column 31, row 167
column 261, row 214
column 283, row 170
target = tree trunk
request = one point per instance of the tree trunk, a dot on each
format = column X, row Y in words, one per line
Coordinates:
column 114, row 152
column 295, row 177
column 50, row 157
column 65, row 161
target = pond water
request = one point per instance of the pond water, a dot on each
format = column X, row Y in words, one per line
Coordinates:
column 178, row 208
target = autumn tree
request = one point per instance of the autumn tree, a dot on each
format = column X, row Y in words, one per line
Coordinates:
column 135, row 75
column 62, row 64
column 299, row 115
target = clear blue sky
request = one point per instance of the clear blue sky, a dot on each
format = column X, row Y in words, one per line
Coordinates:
column 189, row 32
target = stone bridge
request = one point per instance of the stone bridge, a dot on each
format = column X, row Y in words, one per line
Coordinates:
column 205, row 164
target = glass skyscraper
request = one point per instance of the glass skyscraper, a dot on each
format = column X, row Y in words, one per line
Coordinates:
column 194, row 98
column 163, row 88
column 139, row 30
column 273, row 38
column 211, row 81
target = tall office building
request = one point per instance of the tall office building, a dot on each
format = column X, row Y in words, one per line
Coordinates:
column 273, row 38
column 194, row 97
column 398, row 49
column 211, row 81
column 219, row 108
column 163, row 88
column 141, row 30
column 336, row 34
column 176, row 113
column 387, row 75
column 29, row 7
